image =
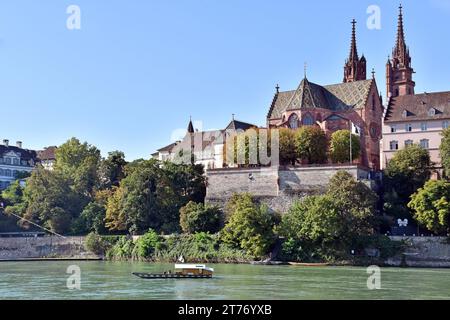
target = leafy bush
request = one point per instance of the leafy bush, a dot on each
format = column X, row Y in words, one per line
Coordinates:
column 200, row 218
column 99, row 244
column 250, row 227
column 122, row 249
column 146, row 245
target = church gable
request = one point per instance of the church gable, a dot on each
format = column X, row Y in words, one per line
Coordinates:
column 337, row 97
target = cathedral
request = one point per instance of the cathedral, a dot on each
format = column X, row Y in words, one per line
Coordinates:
column 354, row 103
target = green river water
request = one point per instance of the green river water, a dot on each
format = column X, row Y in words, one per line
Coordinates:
column 113, row 280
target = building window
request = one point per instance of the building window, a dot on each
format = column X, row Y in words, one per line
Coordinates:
column 445, row 124
column 1, row 172
column 425, row 143
column 8, row 173
column 424, row 126
column 16, row 161
column 293, row 121
column 308, row 120
column 409, row 143
column 7, row 160
column 393, row 128
column 394, row 145
column 408, row 127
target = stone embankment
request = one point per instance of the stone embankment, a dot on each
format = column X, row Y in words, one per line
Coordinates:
column 423, row 252
column 23, row 248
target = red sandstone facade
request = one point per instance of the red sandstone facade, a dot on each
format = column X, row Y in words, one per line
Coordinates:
column 336, row 107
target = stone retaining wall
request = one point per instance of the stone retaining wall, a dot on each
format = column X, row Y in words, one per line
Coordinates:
column 433, row 252
column 44, row 247
column 278, row 187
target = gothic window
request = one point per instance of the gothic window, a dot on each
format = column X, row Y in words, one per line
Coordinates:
column 409, row 143
column 394, row 145
column 293, row 121
column 425, row 143
column 445, row 124
column 308, row 120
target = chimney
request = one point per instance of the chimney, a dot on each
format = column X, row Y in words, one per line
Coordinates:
column 19, row 144
column 6, row 142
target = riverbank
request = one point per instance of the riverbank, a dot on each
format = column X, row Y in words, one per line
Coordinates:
column 420, row 252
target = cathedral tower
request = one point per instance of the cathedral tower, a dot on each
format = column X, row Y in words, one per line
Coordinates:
column 355, row 68
column 399, row 73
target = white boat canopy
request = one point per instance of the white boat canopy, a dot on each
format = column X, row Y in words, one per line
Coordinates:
column 193, row 266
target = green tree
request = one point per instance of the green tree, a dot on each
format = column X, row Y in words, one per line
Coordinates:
column 152, row 194
column 326, row 225
column 445, row 151
column 78, row 163
column 250, row 227
column 431, row 206
column 146, row 245
column 311, row 144
column 340, row 146
column 405, row 173
column 197, row 217
column 50, row 200
column 287, row 146
column 111, row 169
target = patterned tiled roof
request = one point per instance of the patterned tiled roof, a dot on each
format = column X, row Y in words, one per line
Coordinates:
column 335, row 97
column 425, row 106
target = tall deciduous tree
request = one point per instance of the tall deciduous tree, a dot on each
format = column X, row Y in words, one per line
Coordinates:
column 405, row 173
column 431, row 206
column 250, row 227
column 197, row 217
column 78, row 163
column 311, row 144
column 112, row 169
column 340, row 146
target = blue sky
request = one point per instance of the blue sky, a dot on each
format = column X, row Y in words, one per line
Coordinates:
column 138, row 69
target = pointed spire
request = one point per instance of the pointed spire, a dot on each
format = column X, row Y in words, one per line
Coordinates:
column 400, row 30
column 277, row 88
column 305, row 68
column 190, row 128
column 353, row 57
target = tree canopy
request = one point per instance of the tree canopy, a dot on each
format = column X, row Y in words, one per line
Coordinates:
column 340, row 146
column 431, row 206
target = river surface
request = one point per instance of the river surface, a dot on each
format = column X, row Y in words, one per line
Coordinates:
column 113, row 280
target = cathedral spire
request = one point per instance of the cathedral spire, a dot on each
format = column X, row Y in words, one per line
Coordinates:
column 355, row 68
column 400, row 50
column 353, row 49
column 399, row 73
column 190, row 128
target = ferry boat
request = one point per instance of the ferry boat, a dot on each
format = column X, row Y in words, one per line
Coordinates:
column 182, row 271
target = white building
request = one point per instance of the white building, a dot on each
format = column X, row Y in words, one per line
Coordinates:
column 14, row 160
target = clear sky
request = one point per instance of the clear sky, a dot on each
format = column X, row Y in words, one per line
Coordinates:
column 138, row 69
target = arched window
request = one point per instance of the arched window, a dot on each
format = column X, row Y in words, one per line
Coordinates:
column 308, row 120
column 293, row 121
